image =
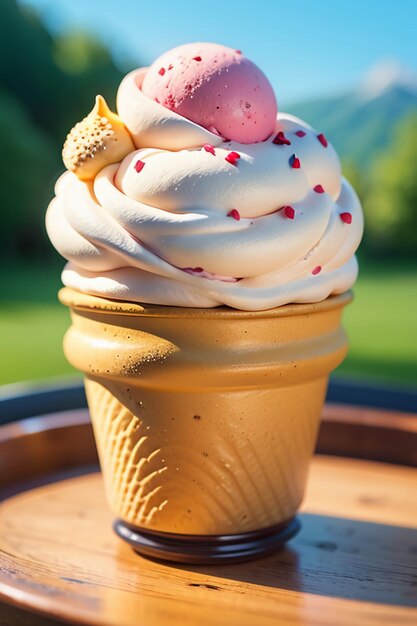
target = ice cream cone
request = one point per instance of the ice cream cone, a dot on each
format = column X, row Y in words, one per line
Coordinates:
column 205, row 419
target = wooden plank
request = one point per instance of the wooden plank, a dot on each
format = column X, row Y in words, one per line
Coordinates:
column 366, row 433
column 354, row 561
column 51, row 446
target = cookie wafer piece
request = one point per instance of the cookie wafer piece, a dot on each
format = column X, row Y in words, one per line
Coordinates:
column 98, row 140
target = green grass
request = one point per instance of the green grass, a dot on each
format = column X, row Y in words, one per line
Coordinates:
column 381, row 323
column 32, row 324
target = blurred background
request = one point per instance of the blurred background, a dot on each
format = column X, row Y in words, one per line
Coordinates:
column 351, row 72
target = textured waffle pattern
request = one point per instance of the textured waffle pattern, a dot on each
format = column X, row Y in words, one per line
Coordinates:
column 208, row 476
column 130, row 466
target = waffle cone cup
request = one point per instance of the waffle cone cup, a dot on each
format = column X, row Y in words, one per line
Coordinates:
column 205, row 419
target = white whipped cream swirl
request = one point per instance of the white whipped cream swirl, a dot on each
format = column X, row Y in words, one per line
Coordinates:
column 170, row 234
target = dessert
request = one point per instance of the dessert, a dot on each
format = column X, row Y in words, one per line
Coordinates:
column 188, row 219
column 215, row 87
column 208, row 268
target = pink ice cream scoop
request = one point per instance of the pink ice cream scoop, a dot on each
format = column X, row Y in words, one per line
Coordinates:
column 216, row 87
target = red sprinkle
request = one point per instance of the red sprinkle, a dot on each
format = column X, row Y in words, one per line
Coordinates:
column 161, row 71
column 294, row 162
column 322, row 140
column 346, row 217
column 139, row 166
column 232, row 157
column 300, row 133
column 169, row 101
column 209, row 148
column 196, row 58
column 319, row 189
column 316, row 270
column 170, row 66
column 238, row 51
column 281, row 140
column 235, row 214
column 289, row 212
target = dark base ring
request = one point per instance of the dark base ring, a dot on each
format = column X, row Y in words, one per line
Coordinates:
column 207, row 549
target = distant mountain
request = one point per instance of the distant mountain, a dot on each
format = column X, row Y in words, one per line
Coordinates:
column 361, row 123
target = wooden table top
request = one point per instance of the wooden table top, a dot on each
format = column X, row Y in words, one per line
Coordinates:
column 354, row 561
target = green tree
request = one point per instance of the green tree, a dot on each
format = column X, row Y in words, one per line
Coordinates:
column 391, row 204
column 357, row 178
column 47, row 84
column 28, row 160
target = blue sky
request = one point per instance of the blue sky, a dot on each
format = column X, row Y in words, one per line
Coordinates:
column 307, row 48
